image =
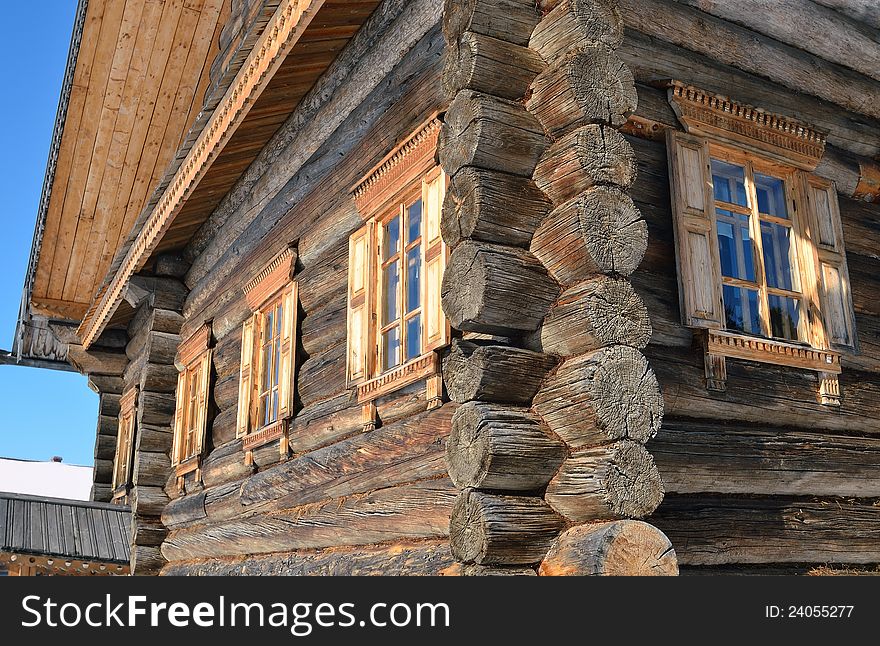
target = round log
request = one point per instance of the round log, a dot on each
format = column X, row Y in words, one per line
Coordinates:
column 619, row 548
column 496, row 289
column 491, row 133
column 571, row 24
column 489, row 65
column 492, row 207
column 607, row 395
column 489, row 529
column 510, row 20
column 501, row 447
column 589, row 156
column 601, row 231
column 595, row 313
column 486, row 570
column 494, row 373
column 588, row 86
column 608, row 482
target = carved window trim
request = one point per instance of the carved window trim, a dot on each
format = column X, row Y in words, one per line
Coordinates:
column 194, row 363
column 122, row 462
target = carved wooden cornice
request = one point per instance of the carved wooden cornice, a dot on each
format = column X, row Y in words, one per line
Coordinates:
column 712, row 115
column 425, row 366
column 191, row 350
column 128, row 401
column 279, row 36
column 271, row 279
column 408, row 161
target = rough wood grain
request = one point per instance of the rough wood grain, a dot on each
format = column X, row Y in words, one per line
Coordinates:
column 602, row 396
column 496, row 289
column 489, row 65
column 490, row 133
column 501, row 447
column 492, row 207
column 609, row 482
column 494, row 373
column 510, row 20
column 591, row 85
column 619, row 548
column 587, row 157
column 571, row 24
column 489, row 529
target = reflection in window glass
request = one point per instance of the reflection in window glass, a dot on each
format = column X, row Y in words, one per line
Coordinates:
column 784, row 317
column 735, row 245
column 776, row 240
column 413, row 271
column 771, row 195
column 392, row 238
column 414, row 222
column 390, row 283
column 741, row 309
column 413, row 337
column 729, row 182
column 391, row 348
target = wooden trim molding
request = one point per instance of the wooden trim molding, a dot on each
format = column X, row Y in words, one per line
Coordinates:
column 427, row 365
column 192, row 349
column 706, row 114
column 271, row 280
column 281, row 33
column 263, row 436
column 868, row 188
column 406, row 163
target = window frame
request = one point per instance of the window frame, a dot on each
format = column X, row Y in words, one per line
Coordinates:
column 194, row 365
column 122, row 461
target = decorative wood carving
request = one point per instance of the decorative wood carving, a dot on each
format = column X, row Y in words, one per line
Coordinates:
column 407, row 162
column 277, row 39
column 191, row 350
column 265, row 435
column 369, row 416
column 274, row 276
column 427, row 365
column 716, row 372
column 868, row 188
column 829, row 389
column 706, row 114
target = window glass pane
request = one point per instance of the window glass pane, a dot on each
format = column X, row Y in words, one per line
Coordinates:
column 277, row 362
column 390, row 285
column 391, row 348
column 392, row 238
column 771, row 195
column 279, row 317
column 735, row 245
column 414, row 222
column 268, row 325
column 267, row 368
column 729, row 182
column 776, row 240
column 413, row 273
column 274, row 406
column 414, row 337
column 741, row 309
column 785, row 314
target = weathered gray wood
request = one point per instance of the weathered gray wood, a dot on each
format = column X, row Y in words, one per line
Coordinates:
column 608, row 482
column 410, row 558
column 501, row 447
column 590, row 85
column 147, row 532
column 155, row 409
column 148, row 500
column 602, row 396
column 103, row 470
column 325, row 422
column 490, row 133
column 150, row 468
column 619, row 548
column 492, row 207
column 98, row 362
column 106, row 384
column 488, row 570
column 163, row 293
column 510, row 20
column 156, row 439
column 595, row 313
column 587, row 157
column 489, row 65
column 145, row 560
column 717, row 530
column 703, row 457
column 860, row 10
column 496, row 289
column 751, row 52
column 493, row 373
column 489, row 529
column 170, row 265
column 571, row 24
column 413, row 511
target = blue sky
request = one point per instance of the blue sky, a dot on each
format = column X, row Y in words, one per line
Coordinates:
column 42, row 412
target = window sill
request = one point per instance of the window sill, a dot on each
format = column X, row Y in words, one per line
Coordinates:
column 720, row 345
column 188, row 466
column 263, row 436
column 427, row 365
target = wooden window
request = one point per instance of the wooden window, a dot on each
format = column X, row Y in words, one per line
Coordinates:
column 122, row 464
column 396, row 263
column 761, row 261
column 268, row 355
column 191, row 415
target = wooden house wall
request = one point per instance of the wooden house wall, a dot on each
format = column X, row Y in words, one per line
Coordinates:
column 375, row 498
column 762, row 476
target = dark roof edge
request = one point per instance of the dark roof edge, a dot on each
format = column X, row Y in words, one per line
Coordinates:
column 64, row 501
column 55, row 145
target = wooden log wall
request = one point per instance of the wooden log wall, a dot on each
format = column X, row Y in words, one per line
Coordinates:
column 762, row 478
column 536, row 162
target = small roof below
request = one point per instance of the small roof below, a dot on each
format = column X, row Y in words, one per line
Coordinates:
column 64, row 529
column 45, row 479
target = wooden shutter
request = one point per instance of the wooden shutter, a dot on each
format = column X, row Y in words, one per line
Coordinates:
column 179, row 417
column 246, row 377
column 696, row 241
column 361, row 259
column 204, row 387
column 287, row 364
column 436, row 326
column 835, row 295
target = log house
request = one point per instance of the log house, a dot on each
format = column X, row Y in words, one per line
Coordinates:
column 471, row 287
